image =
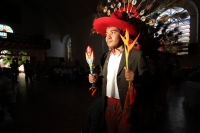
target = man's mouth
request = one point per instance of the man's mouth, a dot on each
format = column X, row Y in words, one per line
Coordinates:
column 108, row 42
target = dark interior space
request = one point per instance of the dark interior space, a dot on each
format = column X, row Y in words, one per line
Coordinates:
column 43, row 107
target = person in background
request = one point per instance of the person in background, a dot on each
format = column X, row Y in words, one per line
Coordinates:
column 77, row 70
column 15, row 70
column 28, row 68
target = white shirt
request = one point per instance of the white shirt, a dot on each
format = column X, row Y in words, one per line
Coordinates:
column 113, row 65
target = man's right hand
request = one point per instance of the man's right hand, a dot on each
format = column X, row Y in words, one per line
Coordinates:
column 93, row 78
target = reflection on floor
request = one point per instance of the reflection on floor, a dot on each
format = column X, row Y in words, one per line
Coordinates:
column 61, row 108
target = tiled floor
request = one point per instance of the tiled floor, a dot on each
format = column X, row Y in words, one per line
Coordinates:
column 61, row 108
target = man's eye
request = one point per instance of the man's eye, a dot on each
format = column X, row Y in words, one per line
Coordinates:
column 113, row 32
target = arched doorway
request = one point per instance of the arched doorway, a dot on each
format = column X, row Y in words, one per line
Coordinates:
column 22, row 57
column 67, row 42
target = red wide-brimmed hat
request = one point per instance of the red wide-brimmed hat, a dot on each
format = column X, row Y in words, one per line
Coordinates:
column 115, row 20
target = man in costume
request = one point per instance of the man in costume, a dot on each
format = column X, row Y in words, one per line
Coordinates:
column 116, row 74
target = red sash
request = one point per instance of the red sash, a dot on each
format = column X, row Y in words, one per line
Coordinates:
column 128, row 105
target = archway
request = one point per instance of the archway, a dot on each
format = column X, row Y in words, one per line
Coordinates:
column 67, row 42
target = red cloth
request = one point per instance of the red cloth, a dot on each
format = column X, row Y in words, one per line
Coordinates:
column 114, row 116
column 132, row 93
column 117, row 120
column 128, row 104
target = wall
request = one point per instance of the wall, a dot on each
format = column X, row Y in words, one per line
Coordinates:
column 41, row 23
column 57, row 47
column 193, row 60
column 38, row 23
column 81, row 38
column 31, row 22
column 53, row 32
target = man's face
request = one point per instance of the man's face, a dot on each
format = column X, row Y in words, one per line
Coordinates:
column 113, row 38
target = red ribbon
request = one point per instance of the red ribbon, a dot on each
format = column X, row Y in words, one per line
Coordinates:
column 129, row 101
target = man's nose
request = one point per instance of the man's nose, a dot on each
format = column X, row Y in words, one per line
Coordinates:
column 108, row 36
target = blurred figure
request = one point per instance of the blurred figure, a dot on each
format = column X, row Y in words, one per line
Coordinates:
column 28, row 68
column 71, row 74
column 77, row 70
column 57, row 73
column 15, row 70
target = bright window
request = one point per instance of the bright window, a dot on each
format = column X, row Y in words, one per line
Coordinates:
column 5, row 58
column 22, row 57
column 178, row 18
column 69, row 50
column 4, row 29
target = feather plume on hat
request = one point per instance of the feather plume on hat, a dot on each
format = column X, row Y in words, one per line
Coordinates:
column 149, row 17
